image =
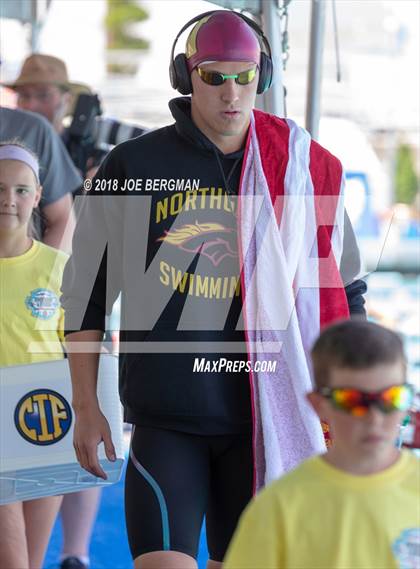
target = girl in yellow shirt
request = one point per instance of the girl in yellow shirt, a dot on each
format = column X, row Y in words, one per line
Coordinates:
column 30, row 324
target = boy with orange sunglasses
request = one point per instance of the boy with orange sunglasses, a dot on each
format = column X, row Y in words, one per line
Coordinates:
column 357, row 505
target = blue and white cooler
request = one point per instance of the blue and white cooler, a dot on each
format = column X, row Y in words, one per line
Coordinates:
column 37, row 457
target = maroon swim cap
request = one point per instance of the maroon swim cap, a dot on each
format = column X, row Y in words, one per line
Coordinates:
column 222, row 36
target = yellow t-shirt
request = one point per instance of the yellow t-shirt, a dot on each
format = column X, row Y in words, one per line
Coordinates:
column 319, row 517
column 31, row 318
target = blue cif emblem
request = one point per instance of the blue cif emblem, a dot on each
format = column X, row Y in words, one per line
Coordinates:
column 43, row 417
column 42, row 303
column 407, row 548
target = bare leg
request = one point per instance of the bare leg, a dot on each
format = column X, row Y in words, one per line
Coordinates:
column 165, row 560
column 214, row 564
column 13, row 548
column 78, row 514
column 39, row 515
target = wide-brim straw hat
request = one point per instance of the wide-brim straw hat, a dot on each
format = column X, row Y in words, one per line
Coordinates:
column 47, row 70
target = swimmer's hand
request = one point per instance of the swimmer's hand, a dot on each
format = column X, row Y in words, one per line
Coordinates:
column 91, row 428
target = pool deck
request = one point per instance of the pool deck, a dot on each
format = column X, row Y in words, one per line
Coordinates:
column 109, row 546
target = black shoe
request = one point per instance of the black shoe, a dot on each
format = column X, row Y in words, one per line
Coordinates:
column 72, row 563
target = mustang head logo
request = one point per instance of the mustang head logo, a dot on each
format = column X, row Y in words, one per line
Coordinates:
column 210, row 239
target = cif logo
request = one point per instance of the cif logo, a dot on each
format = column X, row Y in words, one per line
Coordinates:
column 43, row 417
column 42, row 303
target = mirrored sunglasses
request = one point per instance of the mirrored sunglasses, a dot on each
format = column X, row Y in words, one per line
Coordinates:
column 357, row 403
column 217, row 78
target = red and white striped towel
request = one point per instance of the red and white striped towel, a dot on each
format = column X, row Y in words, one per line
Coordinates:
column 291, row 216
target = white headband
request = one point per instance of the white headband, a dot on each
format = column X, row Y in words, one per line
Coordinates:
column 14, row 152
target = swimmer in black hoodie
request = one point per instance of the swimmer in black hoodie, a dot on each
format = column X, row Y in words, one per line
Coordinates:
column 173, row 255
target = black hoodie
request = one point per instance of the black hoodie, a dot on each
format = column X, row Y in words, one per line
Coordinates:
column 191, row 259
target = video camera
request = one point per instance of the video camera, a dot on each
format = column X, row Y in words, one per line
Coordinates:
column 91, row 136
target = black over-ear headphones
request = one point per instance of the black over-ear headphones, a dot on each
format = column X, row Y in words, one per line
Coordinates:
column 180, row 75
